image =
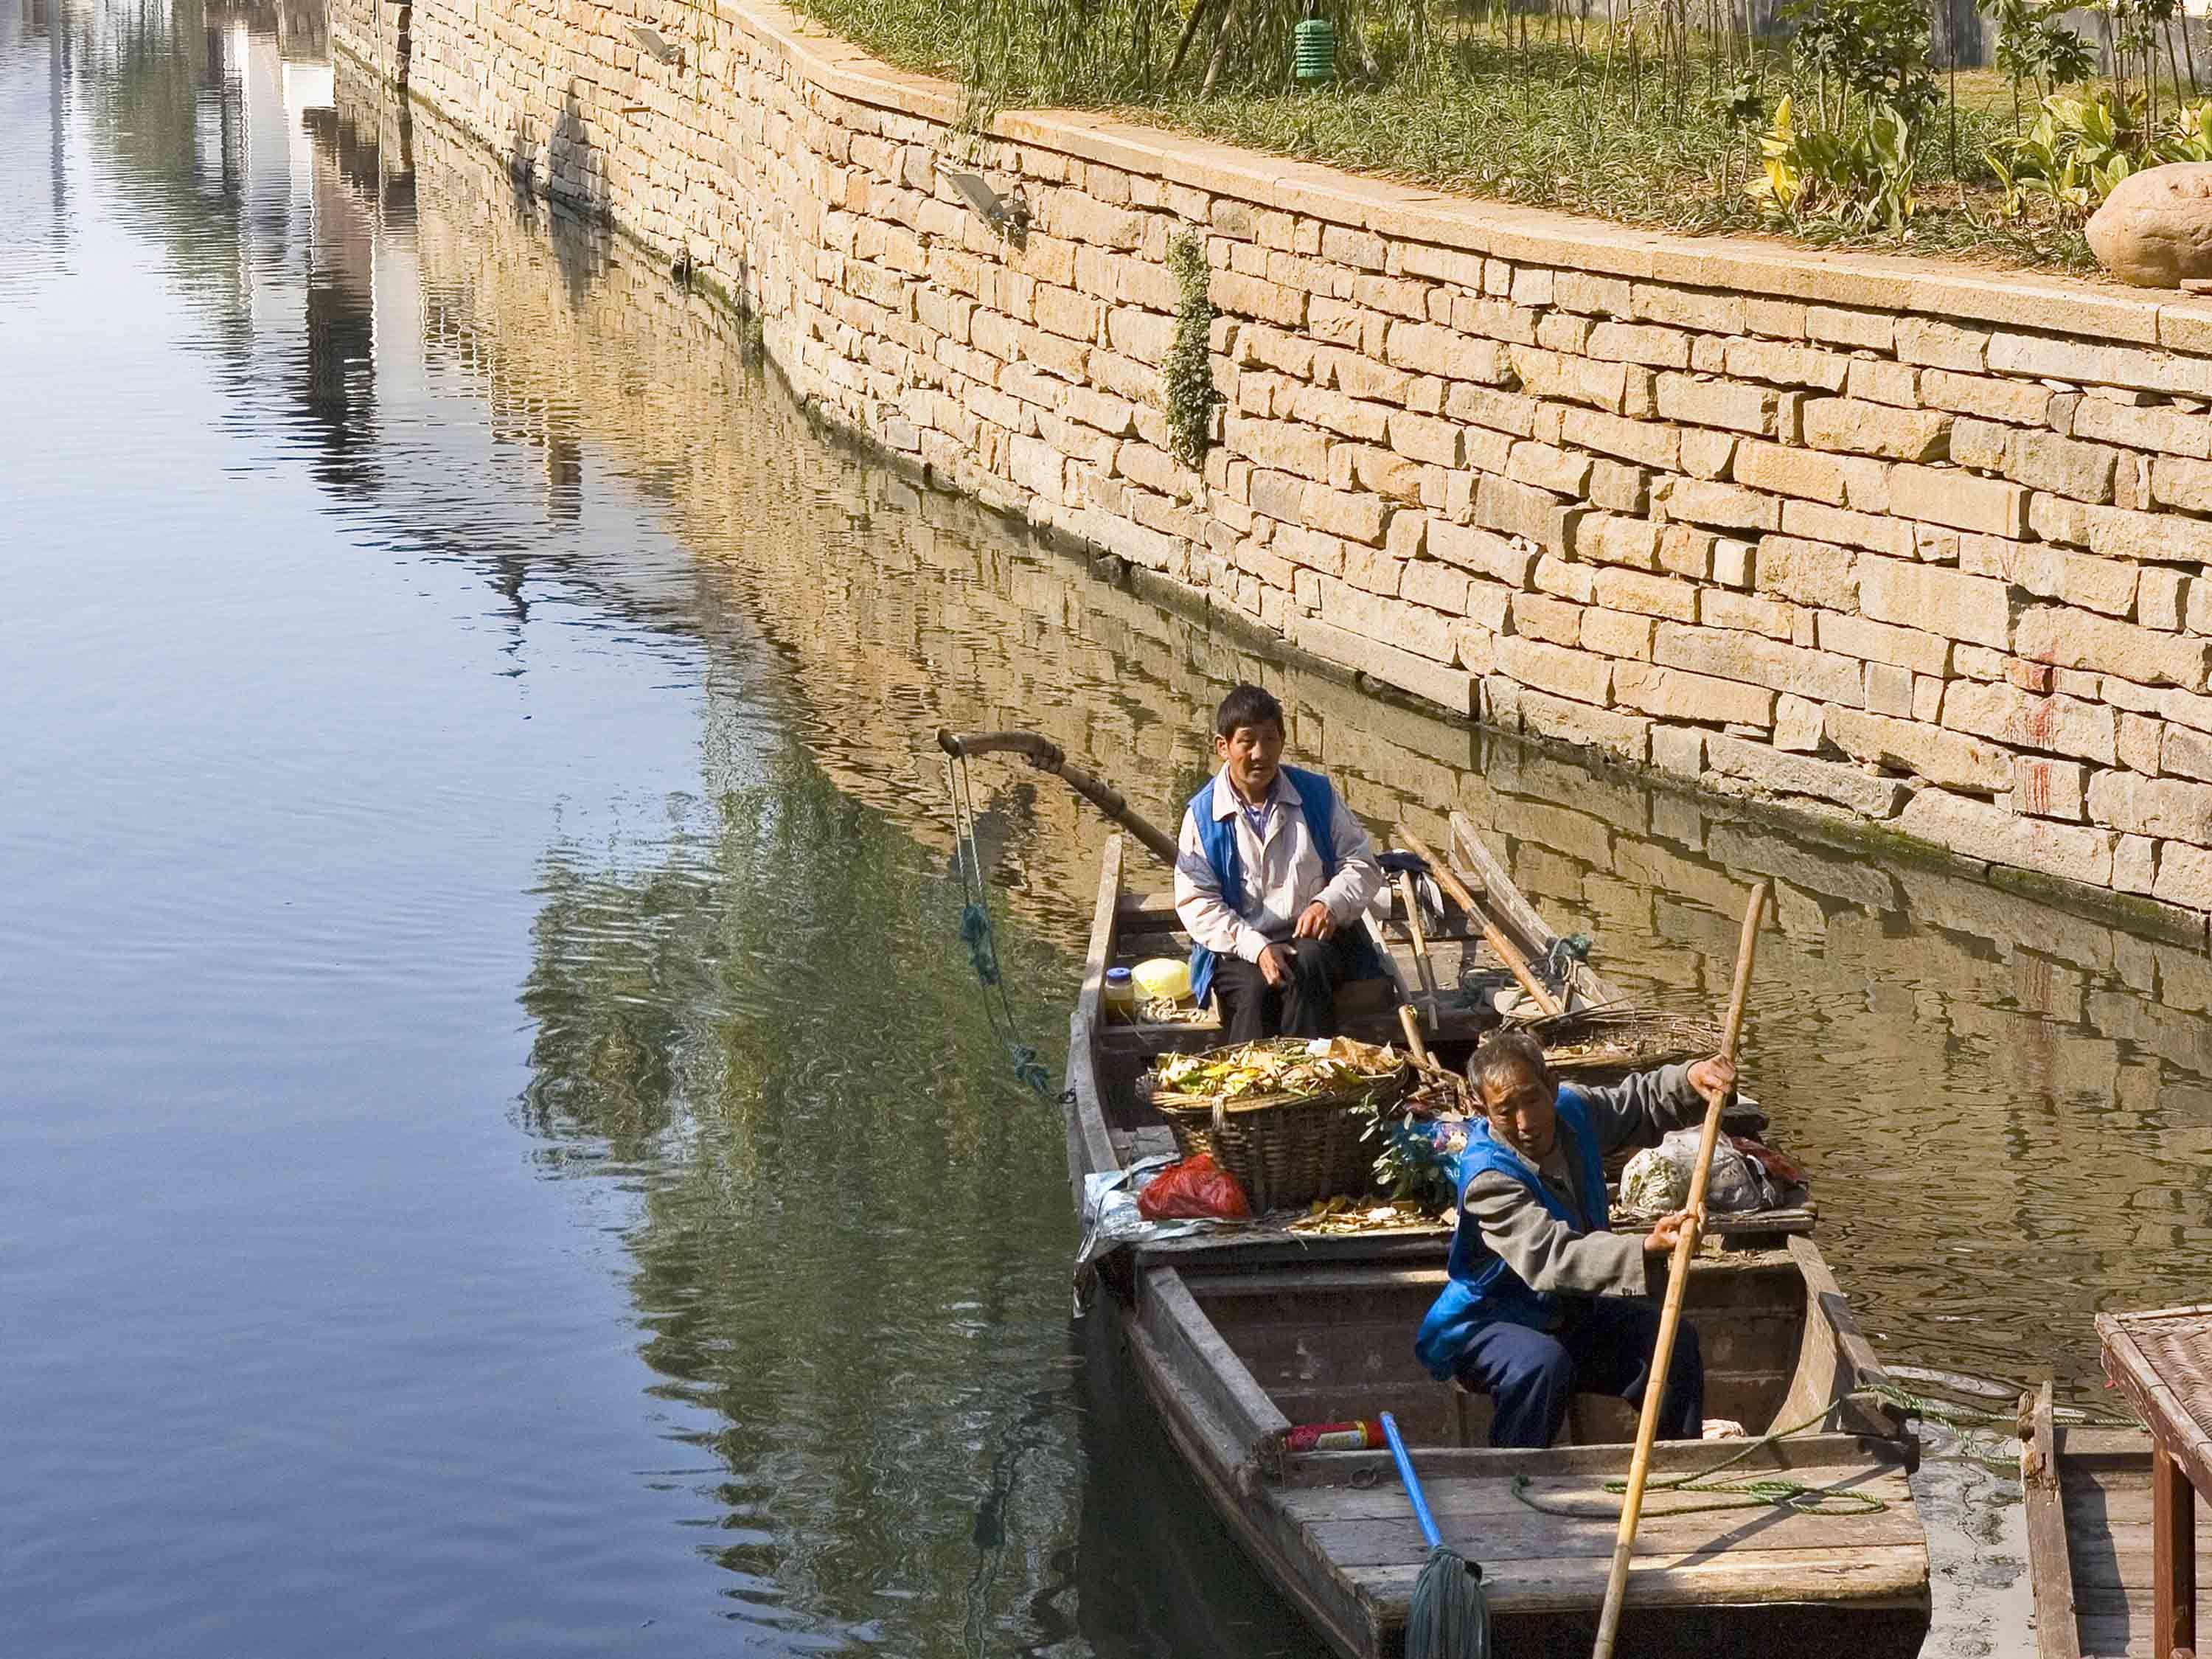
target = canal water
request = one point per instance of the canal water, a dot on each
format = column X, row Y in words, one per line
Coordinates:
column 503, row 1155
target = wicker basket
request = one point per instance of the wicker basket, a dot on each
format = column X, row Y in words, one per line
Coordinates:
column 1286, row 1151
column 1605, row 1044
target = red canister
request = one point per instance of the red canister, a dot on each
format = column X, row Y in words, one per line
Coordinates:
column 1362, row 1434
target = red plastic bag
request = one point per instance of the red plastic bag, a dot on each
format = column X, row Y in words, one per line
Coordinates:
column 1196, row 1189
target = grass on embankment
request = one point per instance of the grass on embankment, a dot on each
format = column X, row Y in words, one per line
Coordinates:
column 1544, row 122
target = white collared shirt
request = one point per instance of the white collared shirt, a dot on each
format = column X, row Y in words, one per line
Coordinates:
column 1283, row 871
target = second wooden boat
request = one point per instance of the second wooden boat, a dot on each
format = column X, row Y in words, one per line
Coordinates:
column 2089, row 1501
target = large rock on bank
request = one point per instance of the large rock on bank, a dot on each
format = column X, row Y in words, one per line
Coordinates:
column 2155, row 230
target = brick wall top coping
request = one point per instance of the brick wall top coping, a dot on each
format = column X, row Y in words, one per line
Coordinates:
column 2054, row 304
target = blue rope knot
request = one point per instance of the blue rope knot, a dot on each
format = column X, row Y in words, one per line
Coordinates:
column 976, row 935
column 1566, row 950
column 1030, row 1069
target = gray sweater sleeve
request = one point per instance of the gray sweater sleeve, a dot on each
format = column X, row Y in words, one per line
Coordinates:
column 1547, row 1255
column 1636, row 1110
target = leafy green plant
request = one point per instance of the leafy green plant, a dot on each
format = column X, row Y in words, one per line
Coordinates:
column 1862, row 177
column 2080, row 148
column 1189, row 368
column 2190, row 139
column 2035, row 45
column 1872, row 54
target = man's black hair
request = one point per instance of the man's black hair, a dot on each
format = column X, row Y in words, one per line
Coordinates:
column 1247, row 705
column 1503, row 1052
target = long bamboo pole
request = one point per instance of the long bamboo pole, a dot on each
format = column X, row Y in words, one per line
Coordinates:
column 1670, row 1314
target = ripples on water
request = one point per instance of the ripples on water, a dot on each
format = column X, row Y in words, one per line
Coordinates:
column 507, row 1156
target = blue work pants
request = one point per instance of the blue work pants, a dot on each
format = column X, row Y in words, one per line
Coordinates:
column 1602, row 1346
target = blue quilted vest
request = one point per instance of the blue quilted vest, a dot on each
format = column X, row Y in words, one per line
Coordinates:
column 1481, row 1289
column 1217, row 838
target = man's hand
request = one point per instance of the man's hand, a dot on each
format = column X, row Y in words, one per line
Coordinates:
column 1316, row 921
column 1667, row 1232
column 1275, row 964
column 1713, row 1079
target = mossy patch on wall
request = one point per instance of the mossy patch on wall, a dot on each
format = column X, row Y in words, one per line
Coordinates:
column 1189, row 372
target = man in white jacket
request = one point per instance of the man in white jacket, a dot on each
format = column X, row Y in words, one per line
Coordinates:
column 1272, row 877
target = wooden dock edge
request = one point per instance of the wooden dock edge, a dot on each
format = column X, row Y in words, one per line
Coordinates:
column 2049, row 1565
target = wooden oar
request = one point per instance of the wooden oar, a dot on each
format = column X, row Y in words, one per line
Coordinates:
column 1492, row 934
column 1048, row 756
column 1670, row 1314
column 1427, row 968
column 1410, row 1020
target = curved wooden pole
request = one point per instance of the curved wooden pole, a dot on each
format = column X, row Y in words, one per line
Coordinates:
column 1493, row 935
column 1670, row 1314
column 1047, row 756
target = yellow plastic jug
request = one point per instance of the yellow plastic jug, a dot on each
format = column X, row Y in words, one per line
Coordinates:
column 1163, row 977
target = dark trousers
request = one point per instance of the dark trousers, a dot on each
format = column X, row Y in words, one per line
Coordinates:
column 1305, row 1005
column 1603, row 1347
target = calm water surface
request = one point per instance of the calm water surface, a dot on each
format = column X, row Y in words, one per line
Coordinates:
column 502, row 1155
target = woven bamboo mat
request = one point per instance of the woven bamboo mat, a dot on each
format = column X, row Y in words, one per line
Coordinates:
column 2162, row 1361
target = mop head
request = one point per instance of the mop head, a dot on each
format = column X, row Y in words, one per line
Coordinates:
column 1450, row 1615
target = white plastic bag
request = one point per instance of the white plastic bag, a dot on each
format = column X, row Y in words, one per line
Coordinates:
column 1658, row 1179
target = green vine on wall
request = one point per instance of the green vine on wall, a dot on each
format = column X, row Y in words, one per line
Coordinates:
column 1189, row 369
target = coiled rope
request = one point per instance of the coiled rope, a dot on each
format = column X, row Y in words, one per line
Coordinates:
column 1773, row 1490
column 1780, row 1491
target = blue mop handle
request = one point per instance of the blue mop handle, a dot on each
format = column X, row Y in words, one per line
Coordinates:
column 1412, row 1482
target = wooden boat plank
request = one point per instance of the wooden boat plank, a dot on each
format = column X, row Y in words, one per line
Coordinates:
column 1090, row 1145
column 1495, row 1496
column 1426, row 1410
column 2087, row 1447
column 1194, row 1352
column 1883, row 1575
column 1772, row 1273
column 2125, row 1525
column 1329, row 1601
column 1488, row 1517
column 2050, row 1573
column 2119, row 1562
column 1270, row 1246
column 1743, row 1340
column 1519, row 918
column 1259, row 1251
column 1146, row 913
column 1804, row 1451
column 1386, row 1540
column 2090, row 1538
column 2122, row 1635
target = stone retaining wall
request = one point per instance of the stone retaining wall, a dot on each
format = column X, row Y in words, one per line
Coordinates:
column 1915, row 544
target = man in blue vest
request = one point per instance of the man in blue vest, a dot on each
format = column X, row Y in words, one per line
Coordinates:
column 1272, row 877
column 1543, row 1301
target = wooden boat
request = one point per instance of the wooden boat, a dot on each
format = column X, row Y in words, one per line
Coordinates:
column 2088, row 1504
column 1238, row 1335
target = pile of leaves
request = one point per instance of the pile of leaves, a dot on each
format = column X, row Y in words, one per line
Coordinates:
column 1351, row 1215
column 1278, row 1065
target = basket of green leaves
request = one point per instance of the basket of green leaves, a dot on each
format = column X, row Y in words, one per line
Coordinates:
column 1288, row 1117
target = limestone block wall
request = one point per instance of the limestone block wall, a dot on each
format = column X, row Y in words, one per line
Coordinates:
column 1899, row 541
